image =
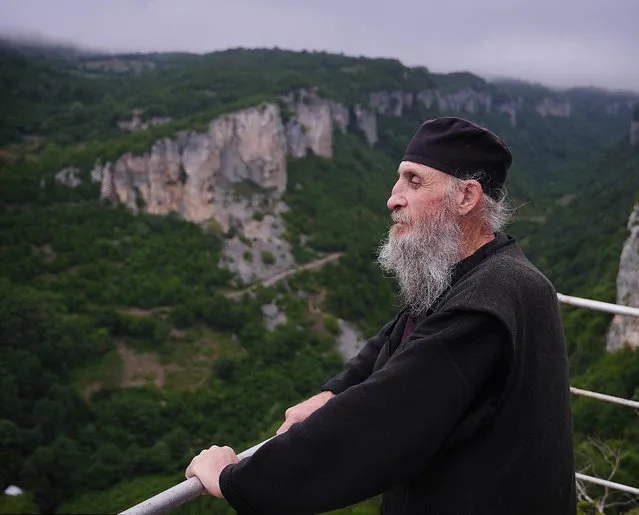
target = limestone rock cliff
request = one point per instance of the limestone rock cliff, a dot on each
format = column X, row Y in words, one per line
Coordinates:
column 233, row 173
column 195, row 173
column 349, row 341
column 136, row 123
column 510, row 108
column 553, row 107
column 312, row 121
column 397, row 103
column 465, row 100
column 625, row 330
column 367, row 123
column 69, row 177
column 311, row 126
column 394, row 103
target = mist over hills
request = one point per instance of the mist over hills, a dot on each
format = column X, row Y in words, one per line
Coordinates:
column 36, row 45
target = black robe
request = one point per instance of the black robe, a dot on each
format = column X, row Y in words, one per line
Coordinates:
column 471, row 414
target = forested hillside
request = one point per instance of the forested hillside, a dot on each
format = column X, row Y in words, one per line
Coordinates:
column 123, row 350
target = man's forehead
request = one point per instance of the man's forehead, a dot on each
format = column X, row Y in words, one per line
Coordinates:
column 423, row 170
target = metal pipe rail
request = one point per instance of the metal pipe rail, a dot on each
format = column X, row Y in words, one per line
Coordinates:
column 598, row 305
column 604, row 397
column 609, row 484
column 180, row 493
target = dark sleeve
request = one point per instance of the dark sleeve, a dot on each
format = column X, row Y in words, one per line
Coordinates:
column 377, row 434
column 360, row 366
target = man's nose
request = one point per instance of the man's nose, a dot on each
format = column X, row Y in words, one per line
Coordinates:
column 396, row 200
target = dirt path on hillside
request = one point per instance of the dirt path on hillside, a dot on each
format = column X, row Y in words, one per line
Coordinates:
column 313, row 265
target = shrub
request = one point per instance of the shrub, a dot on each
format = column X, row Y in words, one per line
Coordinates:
column 267, row 257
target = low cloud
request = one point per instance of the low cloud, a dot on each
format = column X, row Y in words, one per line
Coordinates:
column 585, row 42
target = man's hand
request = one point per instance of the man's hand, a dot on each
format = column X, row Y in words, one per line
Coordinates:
column 302, row 410
column 208, row 466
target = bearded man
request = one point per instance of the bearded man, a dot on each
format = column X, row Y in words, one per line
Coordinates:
column 460, row 405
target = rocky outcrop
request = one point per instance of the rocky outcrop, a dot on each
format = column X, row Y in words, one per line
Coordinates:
column 394, row 103
column 367, row 123
column 397, row 103
column 553, row 107
column 273, row 316
column 350, row 341
column 234, row 173
column 469, row 100
column 466, row 100
column 313, row 120
column 198, row 174
column 311, row 126
column 259, row 250
column 510, row 108
column 340, row 116
column 69, row 177
column 136, row 123
column 624, row 330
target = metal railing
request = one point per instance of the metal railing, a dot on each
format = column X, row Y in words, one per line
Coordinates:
column 179, row 494
column 192, row 488
column 597, row 305
column 609, row 484
column 615, row 309
column 604, row 397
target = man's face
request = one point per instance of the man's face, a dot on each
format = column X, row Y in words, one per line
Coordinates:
column 425, row 243
column 417, row 196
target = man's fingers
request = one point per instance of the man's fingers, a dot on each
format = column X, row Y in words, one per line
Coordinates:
column 283, row 428
column 291, row 418
column 189, row 470
column 231, row 453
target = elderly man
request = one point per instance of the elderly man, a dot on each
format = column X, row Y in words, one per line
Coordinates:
column 460, row 405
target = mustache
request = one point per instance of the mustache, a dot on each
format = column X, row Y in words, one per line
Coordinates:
column 400, row 217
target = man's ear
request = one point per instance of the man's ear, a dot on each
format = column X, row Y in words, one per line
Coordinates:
column 468, row 197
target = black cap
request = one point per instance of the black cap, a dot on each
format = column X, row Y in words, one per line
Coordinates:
column 462, row 149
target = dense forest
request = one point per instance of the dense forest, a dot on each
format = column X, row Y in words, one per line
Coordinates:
column 123, row 354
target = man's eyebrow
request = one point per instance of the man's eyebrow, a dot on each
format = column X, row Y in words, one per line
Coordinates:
column 415, row 171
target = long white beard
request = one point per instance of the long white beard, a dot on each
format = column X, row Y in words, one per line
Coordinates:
column 423, row 258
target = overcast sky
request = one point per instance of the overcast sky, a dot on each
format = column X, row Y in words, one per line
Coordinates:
column 556, row 42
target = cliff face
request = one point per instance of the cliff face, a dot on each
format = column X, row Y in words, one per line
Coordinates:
column 464, row 100
column 312, row 123
column 625, row 330
column 194, row 174
column 552, row 107
column 235, row 172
